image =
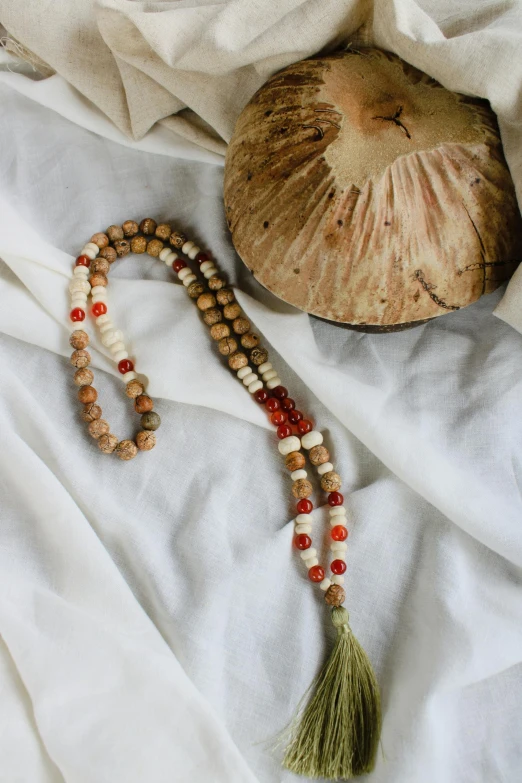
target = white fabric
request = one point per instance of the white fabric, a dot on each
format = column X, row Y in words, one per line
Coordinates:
column 156, row 623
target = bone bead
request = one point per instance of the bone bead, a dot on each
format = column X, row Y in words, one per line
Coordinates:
column 107, row 443
column 98, row 427
column 148, row 226
column 130, row 228
column 100, row 240
column 218, row 331
column 109, row 254
column 145, row 440
column 114, row 233
column 163, row 232
column 238, row 361
column 79, row 339
column 138, row 244
column 319, row 455
column 311, row 439
column 83, row 377
column 331, row 481
column 295, row 461
column 206, row 301
column 126, row 449
column 302, row 488
column 298, row 474
column 326, row 467
column 80, row 358
column 287, row 445
column 227, row 345
column 91, row 411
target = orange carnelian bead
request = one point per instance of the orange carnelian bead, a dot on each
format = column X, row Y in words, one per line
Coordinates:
column 100, row 308
column 304, row 426
column 302, row 541
column 272, row 404
column 83, row 261
column 294, row 416
column 280, row 392
column 261, row 396
column 125, row 366
column 287, row 403
column 77, row 314
column 277, row 418
column 304, row 506
column 316, row 573
column 335, row 499
column 339, row 533
column 284, row 431
column 338, row 566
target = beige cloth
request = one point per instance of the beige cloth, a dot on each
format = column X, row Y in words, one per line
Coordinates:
column 192, row 65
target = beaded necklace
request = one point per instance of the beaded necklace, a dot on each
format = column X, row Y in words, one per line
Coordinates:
column 337, row 734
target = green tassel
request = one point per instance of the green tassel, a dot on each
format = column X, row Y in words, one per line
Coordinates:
column 336, row 735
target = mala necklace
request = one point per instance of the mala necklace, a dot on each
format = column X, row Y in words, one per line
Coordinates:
column 337, row 734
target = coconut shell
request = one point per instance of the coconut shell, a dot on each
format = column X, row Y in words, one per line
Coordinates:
column 362, row 191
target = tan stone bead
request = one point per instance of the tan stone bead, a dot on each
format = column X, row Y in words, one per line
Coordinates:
column 318, row 455
column 130, row 228
column 80, row 358
column 98, row 427
column 258, row 356
column 335, row 595
column 138, row 244
column 148, row 226
column 145, row 440
column 163, row 231
column 218, row 331
column 231, row 310
column 114, row 233
column 241, row 325
column 212, row 316
column 100, row 239
column 302, row 488
column 122, row 247
column 100, row 265
column 143, row 403
column 227, row 346
column 126, row 449
column 154, row 247
column 225, row 296
column 206, row 301
column 87, row 394
column 237, row 361
column 249, row 340
column 91, row 411
column 295, row 461
column 109, row 254
column 195, row 289
column 83, row 377
column 107, row 443
column 98, row 279
column 134, row 388
column 79, row 339
column 331, row 481
column 216, row 282
column 177, row 239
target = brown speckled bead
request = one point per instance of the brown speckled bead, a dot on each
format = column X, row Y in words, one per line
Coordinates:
column 145, row 441
column 177, row 239
column 100, row 239
column 126, row 449
column 87, row 394
column 249, row 340
column 206, row 301
column 143, row 404
column 148, row 226
column 295, row 461
column 212, row 316
column 227, row 346
column 231, row 311
column 138, row 244
column 154, row 247
column 109, row 254
column 100, row 265
column 258, row 356
column 114, row 233
column 98, row 279
column 195, row 289
column 91, row 411
column 79, row 339
column 335, row 595
column 98, row 427
column 83, row 377
column 302, row 488
column 218, row 331
column 80, row 358
column 150, row 420
column 318, row 455
column 107, row 443
column 163, row 231
column 122, row 247
column 241, row 325
column 331, row 481
column 134, row 388
column 130, row 228
column 225, row 296
column 215, row 282
column 237, row 361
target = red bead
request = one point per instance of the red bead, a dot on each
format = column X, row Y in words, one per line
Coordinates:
column 295, row 417
column 83, row 261
column 338, row 567
column 304, row 506
column 179, row 264
column 304, row 426
column 261, row 396
column 335, row 499
column 284, row 431
column 202, row 257
column 100, row 308
column 302, row 541
column 77, row 314
column 272, row 404
column 339, row 533
column 288, row 404
column 316, row 573
column 279, row 417
column 125, row 366
column 280, row 392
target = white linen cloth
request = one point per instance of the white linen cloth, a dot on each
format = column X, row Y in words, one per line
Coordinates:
column 155, row 623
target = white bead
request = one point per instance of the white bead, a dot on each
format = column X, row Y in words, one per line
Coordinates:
column 269, row 374
column 192, row 253
column 99, row 289
column 244, row 371
column 89, row 252
column 303, row 529
column 81, row 271
column 121, row 355
column 109, row 326
column 255, row 386
column 164, row 253
column 338, row 546
column 338, row 580
column 172, row 256
column 184, row 272
column 77, row 301
column 79, row 285
column 325, row 584
column 311, row 439
column 273, row 383
column 265, row 367
column 99, row 298
column 91, row 246
column 338, row 511
column 206, row 265
column 298, row 474
column 324, row 468
column 312, row 562
column 303, row 519
column 189, row 279
column 306, row 554
column 210, row 272
column 186, row 247
column 129, row 376
column 74, row 326
column 79, row 295
column 285, row 446
column 115, row 347
column 109, row 338
column 250, row 378
column 102, row 319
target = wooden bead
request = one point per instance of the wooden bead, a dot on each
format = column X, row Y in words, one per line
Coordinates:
column 331, row 481
column 163, row 231
column 80, row 358
column 138, row 244
column 91, row 411
column 218, row 331
column 237, row 361
column 212, row 316
column 206, row 301
column 98, row 279
column 241, row 325
column 302, row 489
column 101, row 265
column 258, row 356
column 227, row 346
column 249, row 340
column 98, row 427
column 134, row 389
column 143, row 404
column 107, row 443
column 177, row 239
column 109, row 254
column 87, row 394
column 148, row 227
column 295, row 461
column 100, row 239
column 225, row 296
column 83, row 377
column 130, row 228
column 126, row 449
column 231, row 311
column 122, row 247
column 79, row 339
column 114, row 233
column 150, row 420
column 145, row 440
column 335, row 595
column 318, row 455
column 154, row 247
column 195, row 289
column 215, row 283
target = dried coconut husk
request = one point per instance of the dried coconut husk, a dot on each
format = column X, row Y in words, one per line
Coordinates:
column 360, row 190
